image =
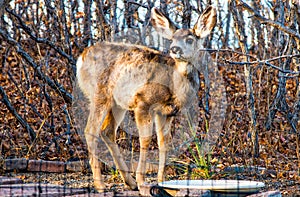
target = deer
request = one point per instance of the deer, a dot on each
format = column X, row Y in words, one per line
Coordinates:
column 155, row 86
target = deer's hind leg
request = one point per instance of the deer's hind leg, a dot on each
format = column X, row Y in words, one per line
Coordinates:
column 104, row 121
column 92, row 139
column 108, row 135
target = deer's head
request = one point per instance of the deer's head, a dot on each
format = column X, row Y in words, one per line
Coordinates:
column 185, row 42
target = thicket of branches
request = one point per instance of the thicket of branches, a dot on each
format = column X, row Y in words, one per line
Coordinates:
column 256, row 45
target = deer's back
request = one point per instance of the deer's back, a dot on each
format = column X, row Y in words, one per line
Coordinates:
column 123, row 71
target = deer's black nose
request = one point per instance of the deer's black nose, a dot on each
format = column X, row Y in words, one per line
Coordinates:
column 176, row 50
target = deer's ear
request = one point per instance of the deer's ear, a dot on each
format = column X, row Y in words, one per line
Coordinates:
column 162, row 24
column 206, row 22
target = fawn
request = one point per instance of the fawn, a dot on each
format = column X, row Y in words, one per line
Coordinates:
column 117, row 77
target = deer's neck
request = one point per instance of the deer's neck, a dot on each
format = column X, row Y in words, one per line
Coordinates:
column 186, row 82
column 182, row 67
column 189, row 71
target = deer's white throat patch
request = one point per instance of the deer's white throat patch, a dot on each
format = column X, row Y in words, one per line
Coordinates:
column 182, row 67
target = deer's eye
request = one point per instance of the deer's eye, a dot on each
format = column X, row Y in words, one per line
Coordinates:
column 189, row 41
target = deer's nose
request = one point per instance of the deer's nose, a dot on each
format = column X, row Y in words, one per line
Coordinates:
column 176, row 50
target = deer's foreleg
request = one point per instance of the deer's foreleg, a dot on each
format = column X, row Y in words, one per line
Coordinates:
column 144, row 123
column 162, row 124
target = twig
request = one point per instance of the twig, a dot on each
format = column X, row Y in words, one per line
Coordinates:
column 267, row 63
column 228, row 50
column 239, row 24
column 41, row 40
column 68, row 124
column 10, row 107
column 275, row 24
column 53, row 84
column 137, row 3
column 258, row 61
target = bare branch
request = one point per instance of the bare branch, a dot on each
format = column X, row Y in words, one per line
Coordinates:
column 264, row 62
column 42, row 40
column 10, row 107
column 228, row 50
column 267, row 61
column 53, row 84
column 275, row 24
column 137, row 3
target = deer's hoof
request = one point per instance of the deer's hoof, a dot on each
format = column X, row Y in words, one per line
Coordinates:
column 100, row 187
